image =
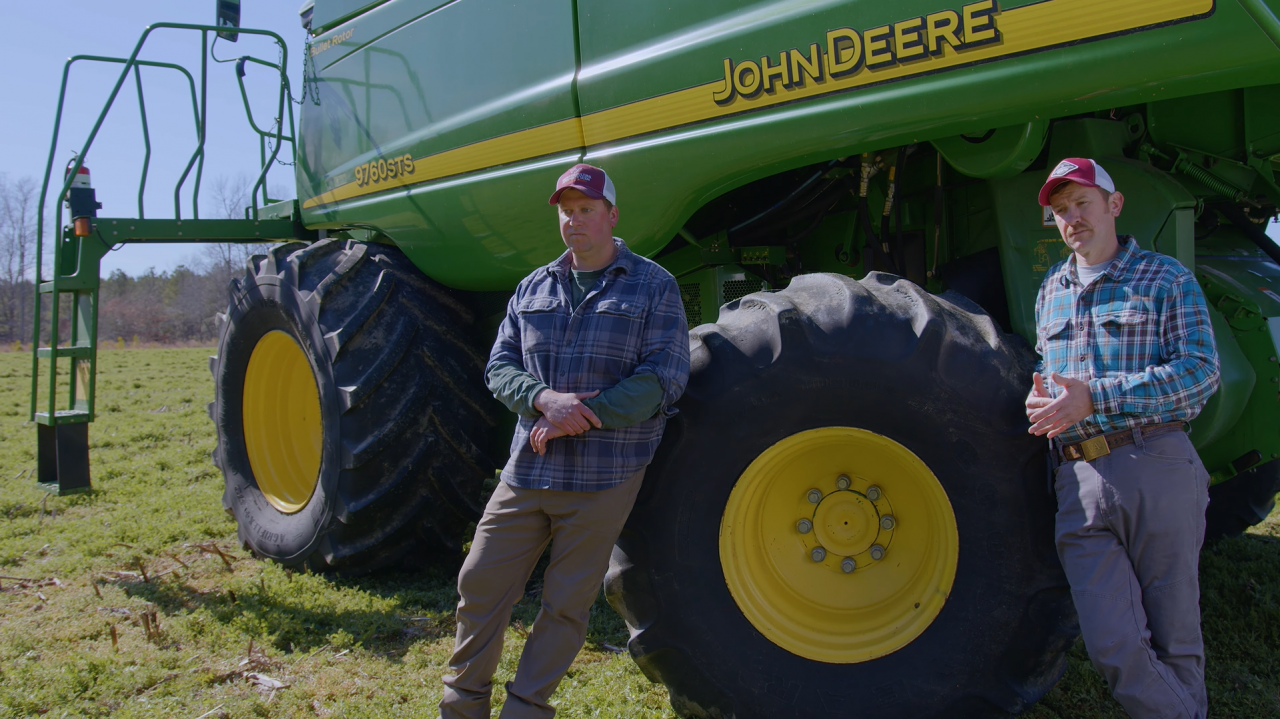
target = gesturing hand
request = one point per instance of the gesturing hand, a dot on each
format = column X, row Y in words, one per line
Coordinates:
column 1053, row 416
column 566, row 411
column 542, row 432
column 1039, row 396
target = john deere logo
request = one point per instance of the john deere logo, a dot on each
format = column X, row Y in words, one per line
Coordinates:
column 847, row 52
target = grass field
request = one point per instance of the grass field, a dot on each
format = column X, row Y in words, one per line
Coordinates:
column 136, row 600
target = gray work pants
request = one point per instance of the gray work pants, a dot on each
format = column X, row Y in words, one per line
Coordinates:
column 1129, row 529
column 517, row 525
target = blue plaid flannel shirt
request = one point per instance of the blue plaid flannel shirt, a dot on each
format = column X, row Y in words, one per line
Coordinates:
column 631, row 322
column 1140, row 334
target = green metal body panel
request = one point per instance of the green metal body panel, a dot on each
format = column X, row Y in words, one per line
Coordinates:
column 1223, row 410
column 1243, row 285
column 424, row 81
column 479, row 229
column 327, row 13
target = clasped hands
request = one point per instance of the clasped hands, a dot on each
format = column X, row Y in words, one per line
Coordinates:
column 563, row 413
column 1052, row 416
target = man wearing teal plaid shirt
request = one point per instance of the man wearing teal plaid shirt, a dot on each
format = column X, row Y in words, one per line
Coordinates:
column 1129, row 356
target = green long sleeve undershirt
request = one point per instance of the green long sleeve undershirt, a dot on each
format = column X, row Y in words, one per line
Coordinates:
column 630, row 402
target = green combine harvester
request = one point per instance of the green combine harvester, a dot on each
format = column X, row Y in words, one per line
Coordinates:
column 847, row 517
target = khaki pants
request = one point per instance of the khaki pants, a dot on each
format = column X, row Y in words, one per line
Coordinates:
column 1129, row 530
column 516, row 527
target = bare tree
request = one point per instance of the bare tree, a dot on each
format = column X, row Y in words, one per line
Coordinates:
column 17, row 252
column 231, row 195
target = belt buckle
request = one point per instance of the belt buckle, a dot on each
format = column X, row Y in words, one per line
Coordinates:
column 1095, row 447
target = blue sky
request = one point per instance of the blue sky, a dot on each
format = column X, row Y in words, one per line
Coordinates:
column 47, row 33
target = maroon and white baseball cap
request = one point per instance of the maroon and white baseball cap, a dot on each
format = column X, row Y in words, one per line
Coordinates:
column 1080, row 170
column 590, row 181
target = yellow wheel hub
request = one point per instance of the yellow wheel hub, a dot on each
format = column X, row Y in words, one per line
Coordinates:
column 846, row 523
column 282, row 422
column 839, row 545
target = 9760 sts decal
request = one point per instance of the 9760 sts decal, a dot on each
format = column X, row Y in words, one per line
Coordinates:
column 383, row 169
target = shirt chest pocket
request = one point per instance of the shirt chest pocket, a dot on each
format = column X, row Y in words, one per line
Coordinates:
column 542, row 320
column 1124, row 321
column 1054, row 335
column 1127, row 335
column 614, row 329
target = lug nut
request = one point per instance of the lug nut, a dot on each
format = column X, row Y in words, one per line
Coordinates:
column 814, row 496
column 818, row 554
column 804, row 526
column 842, row 482
column 887, row 522
column 848, row 565
column 877, row 552
column 873, row 493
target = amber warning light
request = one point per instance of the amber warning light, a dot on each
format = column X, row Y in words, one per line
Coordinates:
column 82, row 201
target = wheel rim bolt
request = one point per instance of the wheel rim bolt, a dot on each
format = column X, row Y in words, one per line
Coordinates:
column 842, row 482
column 818, row 554
column 804, row 526
column 877, row 552
column 848, row 565
column 887, row 522
column 873, row 493
column 814, row 496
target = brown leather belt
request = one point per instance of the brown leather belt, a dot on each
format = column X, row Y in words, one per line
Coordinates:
column 1102, row 444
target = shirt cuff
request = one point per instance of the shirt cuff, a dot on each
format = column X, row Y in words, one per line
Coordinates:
column 525, row 403
column 1105, row 395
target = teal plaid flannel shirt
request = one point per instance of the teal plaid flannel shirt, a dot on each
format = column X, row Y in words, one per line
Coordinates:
column 1140, row 334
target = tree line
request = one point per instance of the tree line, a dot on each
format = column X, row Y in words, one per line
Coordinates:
column 177, row 306
column 17, row 256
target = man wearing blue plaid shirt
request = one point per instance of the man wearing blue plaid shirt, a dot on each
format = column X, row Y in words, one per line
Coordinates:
column 1128, row 351
column 593, row 352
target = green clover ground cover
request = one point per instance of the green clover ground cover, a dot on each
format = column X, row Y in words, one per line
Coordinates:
column 136, row 600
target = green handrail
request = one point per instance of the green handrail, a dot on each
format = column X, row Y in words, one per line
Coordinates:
column 146, row 136
column 264, row 134
column 200, row 107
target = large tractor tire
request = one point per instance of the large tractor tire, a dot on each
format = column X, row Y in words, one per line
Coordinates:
column 349, row 409
column 847, row 517
column 1242, row 501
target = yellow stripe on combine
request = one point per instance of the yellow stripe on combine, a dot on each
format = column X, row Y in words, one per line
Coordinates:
column 556, row 137
column 1023, row 29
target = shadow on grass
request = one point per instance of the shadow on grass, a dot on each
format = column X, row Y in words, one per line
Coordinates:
column 1240, row 614
column 296, row 617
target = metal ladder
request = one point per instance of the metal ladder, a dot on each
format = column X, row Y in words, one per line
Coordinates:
column 63, row 434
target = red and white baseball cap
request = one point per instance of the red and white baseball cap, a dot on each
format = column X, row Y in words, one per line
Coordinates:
column 1080, row 170
column 590, row 181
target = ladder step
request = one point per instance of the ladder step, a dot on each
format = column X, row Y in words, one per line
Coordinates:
column 58, row 352
column 69, row 284
column 63, row 416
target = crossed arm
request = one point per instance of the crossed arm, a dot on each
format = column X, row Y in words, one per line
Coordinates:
column 632, row 400
column 657, row 380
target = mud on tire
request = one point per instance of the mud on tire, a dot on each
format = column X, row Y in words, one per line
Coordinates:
column 402, row 410
column 935, row 375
